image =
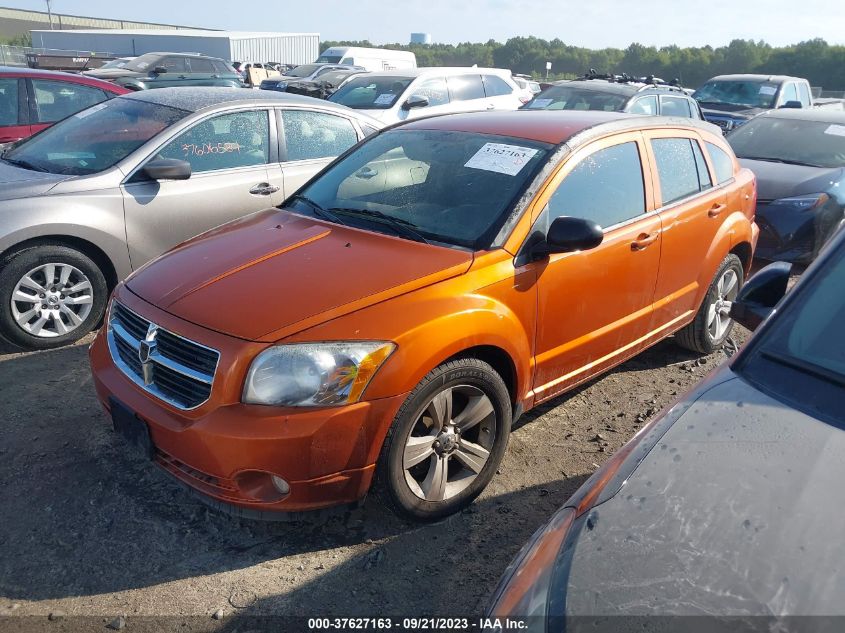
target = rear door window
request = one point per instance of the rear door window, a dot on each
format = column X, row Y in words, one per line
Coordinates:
column 496, row 86
column 221, row 68
column 676, row 167
column 200, row 65
column 55, row 100
column 314, row 135
column 9, row 102
column 465, row 87
column 605, row 187
column 227, row 141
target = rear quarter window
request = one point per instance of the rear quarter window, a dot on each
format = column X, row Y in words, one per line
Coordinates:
column 723, row 165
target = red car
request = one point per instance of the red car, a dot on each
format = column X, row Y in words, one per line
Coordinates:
column 31, row 100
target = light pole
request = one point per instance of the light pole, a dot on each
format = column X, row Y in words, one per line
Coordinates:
column 50, row 14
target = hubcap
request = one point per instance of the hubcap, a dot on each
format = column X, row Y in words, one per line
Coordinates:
column 449, row 443
column 718, row 315
column 52, row 300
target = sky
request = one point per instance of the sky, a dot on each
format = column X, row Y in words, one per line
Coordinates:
column 589, row 23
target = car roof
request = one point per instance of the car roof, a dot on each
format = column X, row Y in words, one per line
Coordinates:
column 825, row 115
column 601, row 85
column 196, row 98
column 57, row 74
column 551, row 126
column 437, row 70
column 167, row 54
column 751, row 77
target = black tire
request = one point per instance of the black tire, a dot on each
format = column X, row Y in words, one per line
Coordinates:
column 17, row 264
column 696, row 336
column 391, row 482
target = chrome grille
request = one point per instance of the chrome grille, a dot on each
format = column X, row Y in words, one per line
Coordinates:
column 171, row 367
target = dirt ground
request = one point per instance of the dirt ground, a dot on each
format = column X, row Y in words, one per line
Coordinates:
column 89, row 529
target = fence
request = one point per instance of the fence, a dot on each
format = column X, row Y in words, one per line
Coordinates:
column 16, row 55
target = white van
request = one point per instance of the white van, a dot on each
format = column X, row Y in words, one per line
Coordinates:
column 396, row 95
column 373, row 59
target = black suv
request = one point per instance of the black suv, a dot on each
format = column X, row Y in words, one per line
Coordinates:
column 618, row 93
column 163, row 70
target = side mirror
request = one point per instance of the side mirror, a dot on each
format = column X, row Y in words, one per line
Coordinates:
column 792, row 104
column 167, row 169
column 160, row 70
column 567, row 234
column 760, row 294
column 415, row 101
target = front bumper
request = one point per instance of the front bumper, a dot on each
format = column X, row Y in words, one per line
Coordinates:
column 228, row 451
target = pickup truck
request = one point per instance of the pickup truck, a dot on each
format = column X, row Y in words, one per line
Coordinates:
column 730, row 100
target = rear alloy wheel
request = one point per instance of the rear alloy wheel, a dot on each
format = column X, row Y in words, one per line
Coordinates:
column 446, row 441
column 713, row 324
column 51, row 296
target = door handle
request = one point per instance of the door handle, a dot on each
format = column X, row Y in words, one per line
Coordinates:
column 491, row 106
column 716, row 210
column 263, row 189
column 183, row 76
column 644, row 240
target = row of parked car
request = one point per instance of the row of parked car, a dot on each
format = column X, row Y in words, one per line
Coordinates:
column 387, row 300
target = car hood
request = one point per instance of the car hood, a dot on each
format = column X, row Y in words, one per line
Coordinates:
column 733, row 512
column 272, row 273
column 113, row 73
column 17, row 182
column 779, row 180
column 741, row 113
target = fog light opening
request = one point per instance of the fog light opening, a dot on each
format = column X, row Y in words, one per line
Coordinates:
column 280, row 484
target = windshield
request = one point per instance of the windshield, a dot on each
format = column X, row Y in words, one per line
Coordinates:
column 751, row 94
column 302, row 71
column 143, row 63
column 335, row 77
column 94, row 139
column 115, row 63
column 573, row 98
column 329, row 59
column 816, row 143
column 450, row 187
column 371, row 93
column 809, row 335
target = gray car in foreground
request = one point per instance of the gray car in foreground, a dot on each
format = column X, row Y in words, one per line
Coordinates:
column 729, row 505
column 94, row 197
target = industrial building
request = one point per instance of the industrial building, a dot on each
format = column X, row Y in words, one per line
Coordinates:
column 286, row 48
column 17, row 22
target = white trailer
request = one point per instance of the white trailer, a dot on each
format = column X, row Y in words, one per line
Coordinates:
column 373, row 59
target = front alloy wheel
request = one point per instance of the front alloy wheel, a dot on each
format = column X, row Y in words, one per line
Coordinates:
column 446, row 440
column 450, row 443
column 52, row 300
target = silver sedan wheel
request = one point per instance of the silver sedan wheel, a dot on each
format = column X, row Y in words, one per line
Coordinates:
column 449, row 443
column 718, row 314
column 52, row 300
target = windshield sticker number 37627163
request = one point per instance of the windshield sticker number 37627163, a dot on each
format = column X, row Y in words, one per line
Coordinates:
column 501, row 158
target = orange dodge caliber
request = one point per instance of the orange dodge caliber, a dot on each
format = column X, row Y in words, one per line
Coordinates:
column 404, row 307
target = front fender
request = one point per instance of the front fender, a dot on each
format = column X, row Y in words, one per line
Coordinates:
column 735, row 229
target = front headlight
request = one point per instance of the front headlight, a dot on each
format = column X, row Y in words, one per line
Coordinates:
column 314, row 374
column 802, row 203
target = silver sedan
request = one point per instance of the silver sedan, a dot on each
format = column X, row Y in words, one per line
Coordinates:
column 97, row 195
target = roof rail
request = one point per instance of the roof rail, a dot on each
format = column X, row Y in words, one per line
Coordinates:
column 651, row 81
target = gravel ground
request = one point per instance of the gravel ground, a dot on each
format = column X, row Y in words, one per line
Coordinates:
column 89, row 529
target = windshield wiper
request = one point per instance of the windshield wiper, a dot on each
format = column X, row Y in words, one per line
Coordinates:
column 785, row 161
column 319, row 211
column 402, row 227
column 805, row 367
column 24, row 163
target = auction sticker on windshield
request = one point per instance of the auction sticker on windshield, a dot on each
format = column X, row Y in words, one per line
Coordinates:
column 836, row 130
column 768, row 90
column 501, row 158
column 541, row 103
column 385, row 99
